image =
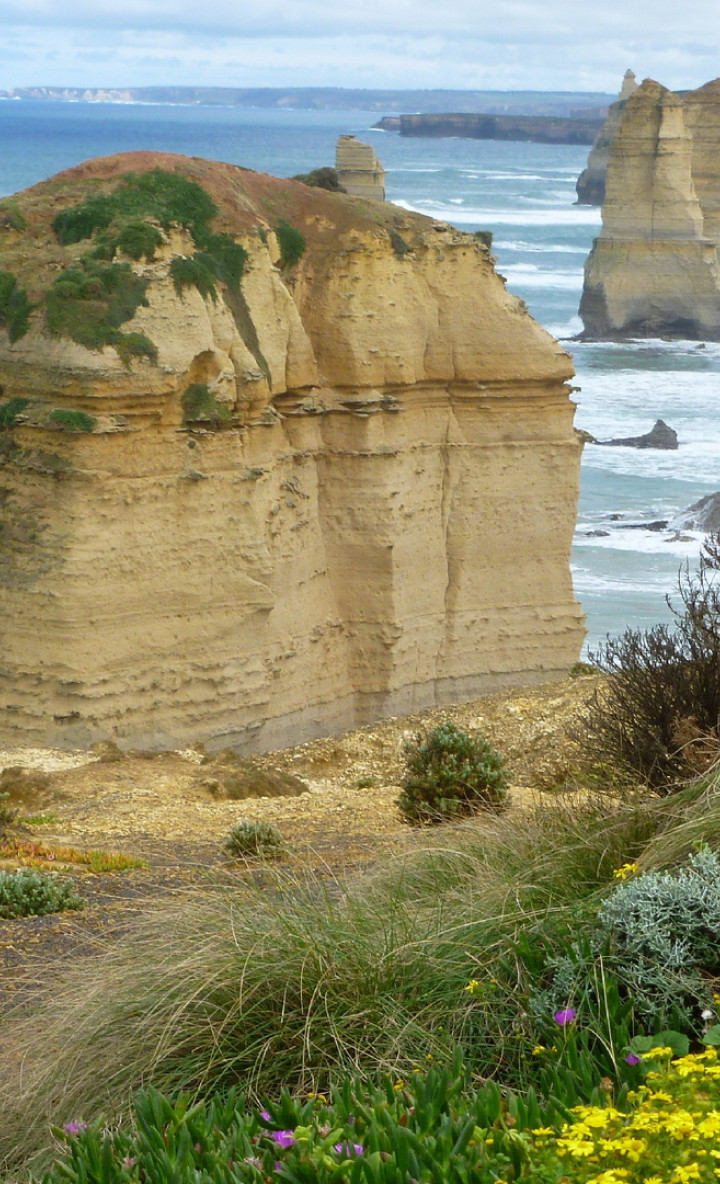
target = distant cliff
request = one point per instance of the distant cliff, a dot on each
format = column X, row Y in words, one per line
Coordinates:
column 274, row 462
column 654, row 270
column 537, row 129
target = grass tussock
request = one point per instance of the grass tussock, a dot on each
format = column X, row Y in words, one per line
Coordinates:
column 296, row 982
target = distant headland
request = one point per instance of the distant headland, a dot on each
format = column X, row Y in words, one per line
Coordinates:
column 562, row 104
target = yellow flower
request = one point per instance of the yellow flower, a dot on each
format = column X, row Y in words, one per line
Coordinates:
column 473, row 987
column 655, row 1054
column 538, row 1050
column 682, row 1174
column 627, row 870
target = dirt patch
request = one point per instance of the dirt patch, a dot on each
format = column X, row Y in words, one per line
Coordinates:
column 159, row 807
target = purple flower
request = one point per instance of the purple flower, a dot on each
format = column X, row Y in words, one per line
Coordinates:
column 349, row 1148
column 283, row 1138
column 631, row 1059
column 74, row 1128
column 565, row 1017
column 265, row 1115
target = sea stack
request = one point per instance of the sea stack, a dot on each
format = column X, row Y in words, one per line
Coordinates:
column 359, row 170
column 654, row 269
column 591, row 182
column 275, row 462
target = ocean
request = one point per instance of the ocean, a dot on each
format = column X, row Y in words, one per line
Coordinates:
column 524, row 194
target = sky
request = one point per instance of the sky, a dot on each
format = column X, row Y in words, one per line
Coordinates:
column 465, row 44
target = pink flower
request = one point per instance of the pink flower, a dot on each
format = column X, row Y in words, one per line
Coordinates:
column 74, row 1128
column 283, row 1138
column 565, row 1017
column 348, row 1148
column 631, row 1059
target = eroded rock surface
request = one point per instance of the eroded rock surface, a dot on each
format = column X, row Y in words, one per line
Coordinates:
column 373, row 517
column 654, row 270
column 590, row 186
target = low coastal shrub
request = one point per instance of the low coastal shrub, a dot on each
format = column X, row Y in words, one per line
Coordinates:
column 29, row 893
column 254, row 840
column 72, row 421
column 91, row 300
column 190, row 271
column 10, row 410
column 291, row 242
column 449, row 773
column 299, row 980
column 658, row 714
column 201, row 407
column 322, row 178
column 15, row 306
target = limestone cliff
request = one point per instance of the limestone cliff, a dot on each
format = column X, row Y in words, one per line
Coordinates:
column 340, row 488
column 590, row 186
column 654, row 269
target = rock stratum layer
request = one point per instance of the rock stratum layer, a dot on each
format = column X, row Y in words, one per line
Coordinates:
column 373, row 513
column 654, row 270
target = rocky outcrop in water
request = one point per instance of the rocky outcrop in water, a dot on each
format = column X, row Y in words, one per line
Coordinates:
column 702, row 515
column 591, row 182
column 660, row 436
column 261, row 460
column 654, row 269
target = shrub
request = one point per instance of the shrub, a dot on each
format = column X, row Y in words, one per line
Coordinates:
column 291, row 242
column 485, row 237
column 254, row 840
column 449, row 773
column 11, row 215
column 661, row 704
column 200, row 406
column 322, row 178
column 15, row 306
column 33, row 894
column 90, row 301
column 133, row 345
column 139, row 240
column 192, row 271
column 9, row 411
column 72, row 421
column 399, row 245
column 7, row 814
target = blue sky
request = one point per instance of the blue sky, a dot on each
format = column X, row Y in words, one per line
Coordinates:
column 474, row 44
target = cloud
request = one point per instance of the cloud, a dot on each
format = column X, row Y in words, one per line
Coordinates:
column 514, row 44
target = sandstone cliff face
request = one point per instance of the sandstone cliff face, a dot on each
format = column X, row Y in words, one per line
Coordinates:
column 654, row 269
column 590, row 186
column 380, row 521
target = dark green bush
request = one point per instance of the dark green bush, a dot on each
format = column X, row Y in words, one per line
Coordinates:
column 139, row 240
column 133, row 345
column 72, row 421
column 15, row 306
column 12, row 216
column 291, row 242
column 322, row 178
column 449, row 773
column 660, row 707
column 485, row 237
column 29, row 893
column 89, row 302
column 200, row 406
column 7, row 813
column 192, row 271
column 254, row 840
column 399, row 245
column 168, row 197
column 9, row 411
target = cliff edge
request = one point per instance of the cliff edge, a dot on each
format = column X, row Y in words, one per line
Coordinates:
column 274, row 462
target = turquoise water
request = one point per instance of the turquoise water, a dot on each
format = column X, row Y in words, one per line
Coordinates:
column 524, row 193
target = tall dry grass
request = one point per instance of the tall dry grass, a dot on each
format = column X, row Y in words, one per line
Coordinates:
column 305, row 978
